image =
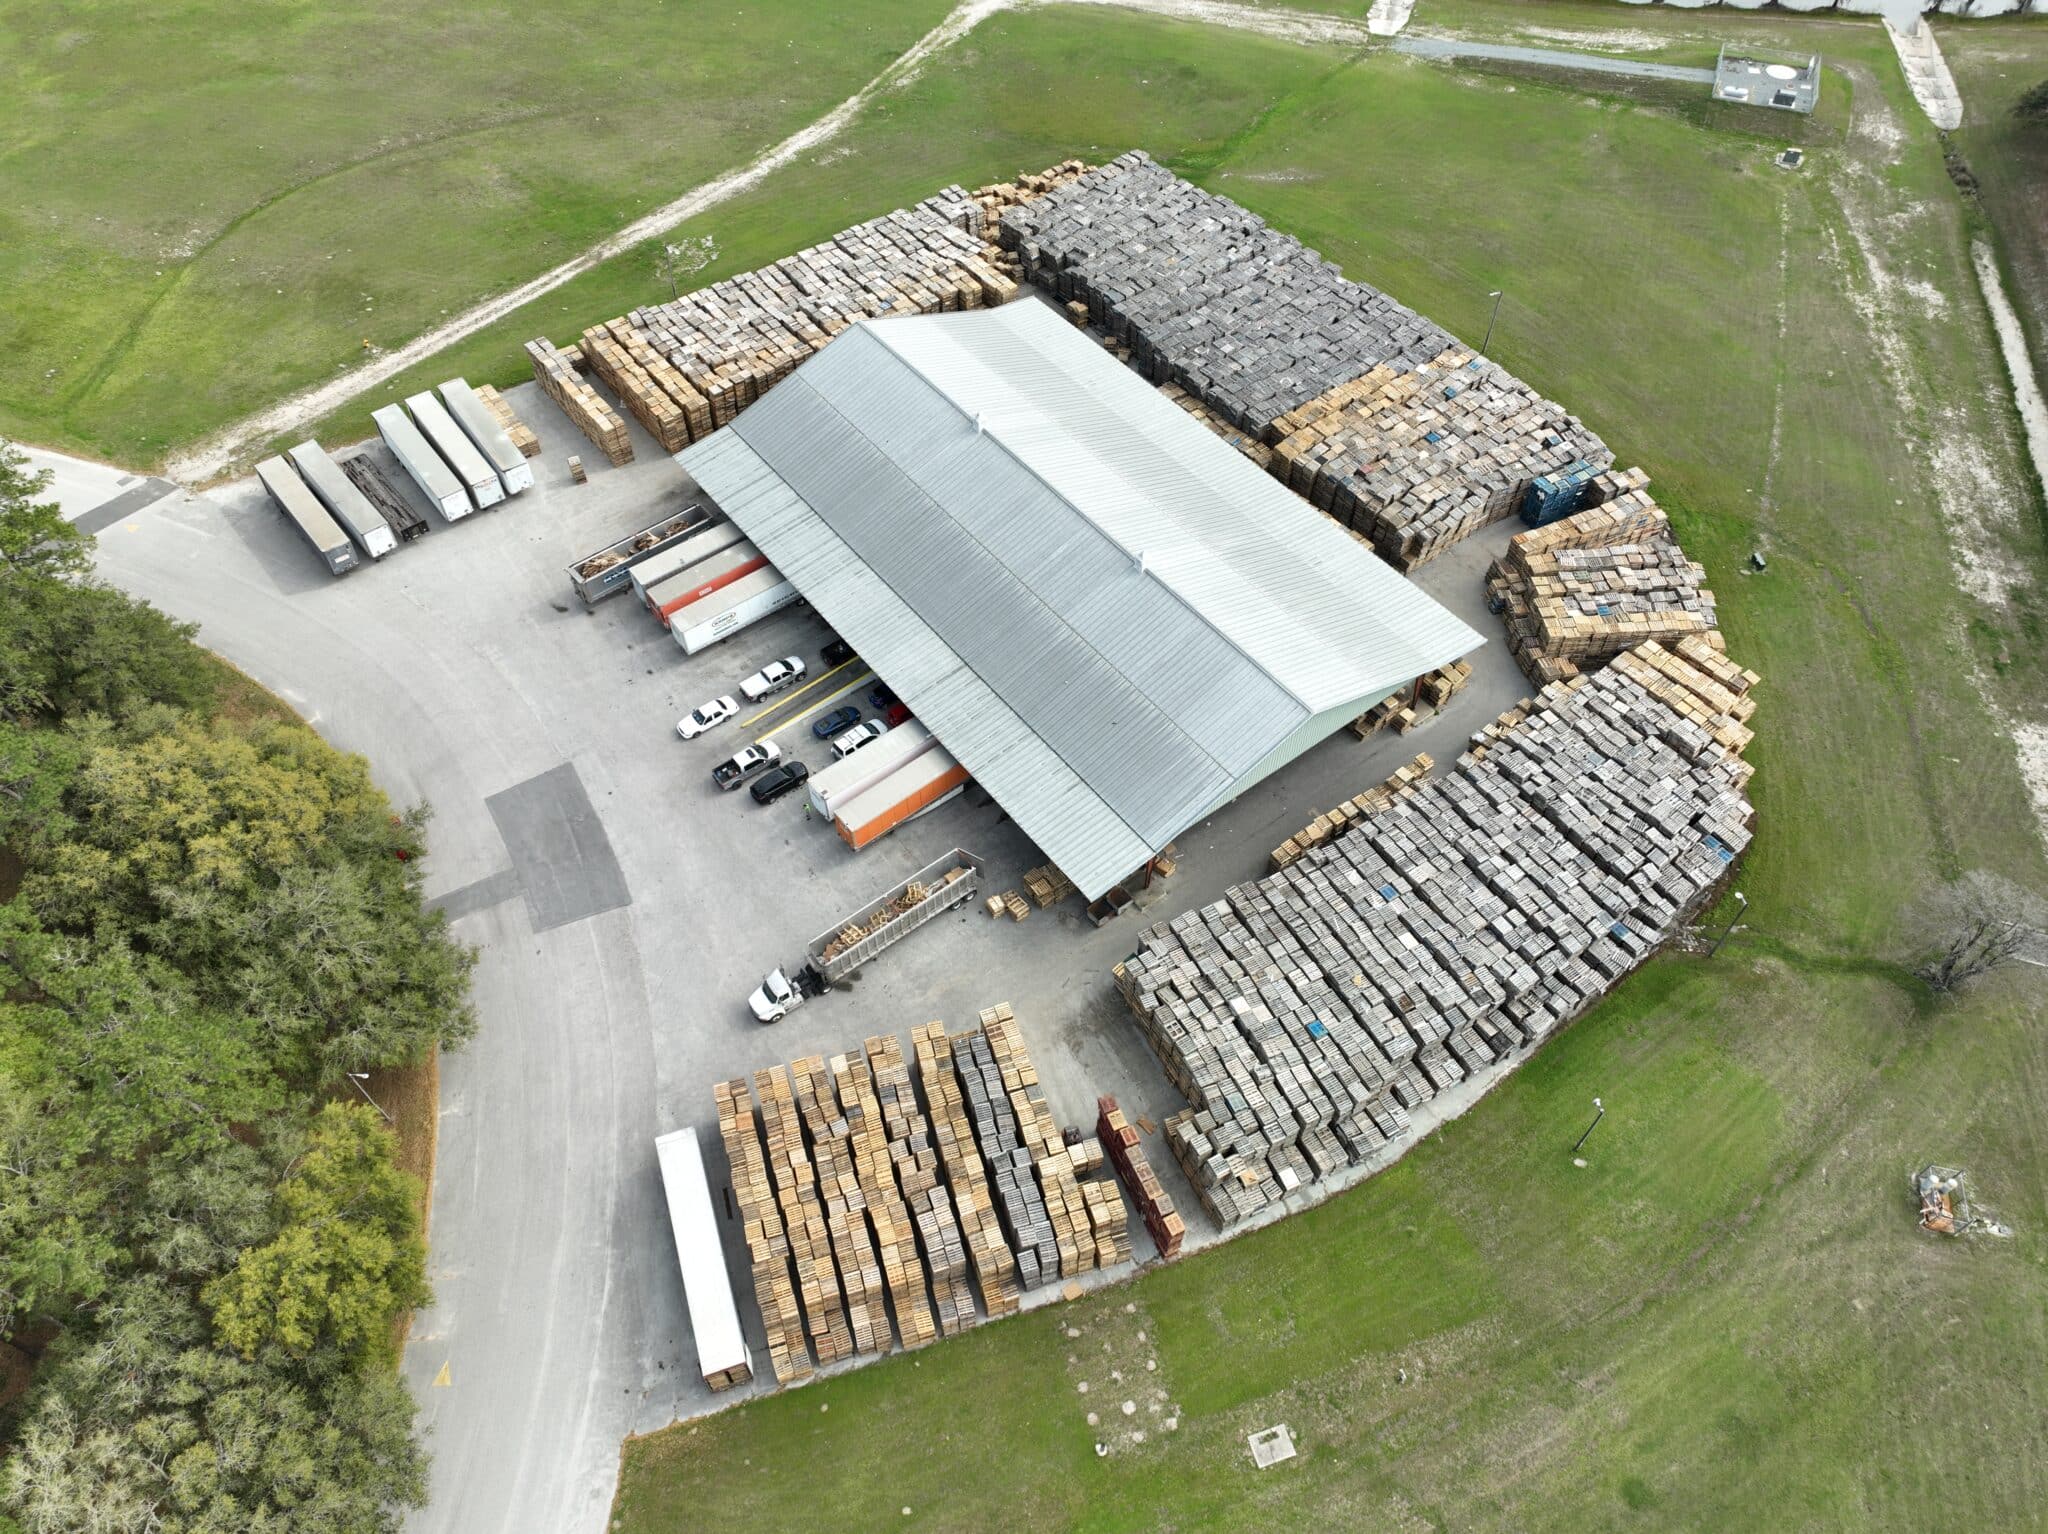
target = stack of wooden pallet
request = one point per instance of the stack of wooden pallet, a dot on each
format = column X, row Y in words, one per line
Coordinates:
column 990, row 201
column 557, row 373
column 1604, row 580
column 839, row 1187
column 803, row 1217
column 995, row 1268
column 1305, row 1016
column 767, row 1242
column 1418, row 458
column 1014, row 1186
column 618, row 355
column 1047, row 885
column 523, row 436
column 895, row 1233
column 1336, row 822
column 918, row 1178
column 1251, row 445
column 1438, row 687
column 1119, row 1137
column 914, row 894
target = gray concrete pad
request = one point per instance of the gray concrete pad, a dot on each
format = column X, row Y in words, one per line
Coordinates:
column 560, row 854
column 464, row 668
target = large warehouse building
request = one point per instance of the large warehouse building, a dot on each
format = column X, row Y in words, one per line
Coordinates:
column 1108, row 614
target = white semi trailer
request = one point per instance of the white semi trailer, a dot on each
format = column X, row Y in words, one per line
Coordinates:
column 483, row 430
column 416, row 455
column 344, row 502
column 439, row 428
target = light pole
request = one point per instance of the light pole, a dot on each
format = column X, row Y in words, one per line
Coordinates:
column 1741, row 906
column 1599, row 1113
column 1495, row 296
column 359, row 1077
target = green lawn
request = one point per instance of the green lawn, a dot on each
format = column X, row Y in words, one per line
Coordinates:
column 1993, row 64
column 205, row 205
column 1727, row 1320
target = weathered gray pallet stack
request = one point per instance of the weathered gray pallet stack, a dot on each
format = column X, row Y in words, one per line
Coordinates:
column 895, row 1234
column 1007, row 1158
column 1417, row 459
column 995, row 1268
column 1212, row 300
column 1580, row 591
column 1307, row 1015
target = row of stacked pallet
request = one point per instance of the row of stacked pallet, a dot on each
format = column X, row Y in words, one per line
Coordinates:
column 1579, row 591
column 1373, row 411
column 1308, row 1015
column 861, row 1205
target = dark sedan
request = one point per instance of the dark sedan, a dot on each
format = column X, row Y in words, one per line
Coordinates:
column 777, row 781
column 837, row 653
column 838, row 722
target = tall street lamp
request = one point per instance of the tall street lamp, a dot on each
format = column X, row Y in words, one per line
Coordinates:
column 1599, row 1113
column 359, row 1077
column 1741, row 907
column 1495, row 296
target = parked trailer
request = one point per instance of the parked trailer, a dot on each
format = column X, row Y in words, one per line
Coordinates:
column 456, row 450
column 610, row 570
column 393, row 507
column 489, row 438
column 951, row 881
column 416, row 455
column 699, row 581
column 304, row 508
column 724, row 613
column 344, row 502
column 923, row 783
column 693, row 550
column 832, row 788
column 722, row 1355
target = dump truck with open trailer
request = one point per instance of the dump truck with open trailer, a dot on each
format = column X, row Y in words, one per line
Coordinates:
column 609, row 571
column 303, row 508
column 923, row 783
column 724, row 613
column 489, row 438
column 344, row 502
column 950, row 882
column 416, row 455
column 460, row 454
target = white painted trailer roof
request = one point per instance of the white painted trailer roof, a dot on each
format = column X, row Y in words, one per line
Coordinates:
column 428, row 469
column 480, row 426
column 439, row 428
column 707, row 1284
column 1111, row 616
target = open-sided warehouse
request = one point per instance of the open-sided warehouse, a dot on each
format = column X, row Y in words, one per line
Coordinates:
column 1113, row 619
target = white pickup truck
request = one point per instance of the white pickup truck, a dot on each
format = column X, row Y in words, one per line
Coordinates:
column 772, row 678
column 742, row 765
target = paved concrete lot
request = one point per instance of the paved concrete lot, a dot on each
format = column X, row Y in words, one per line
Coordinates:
column 624, row 908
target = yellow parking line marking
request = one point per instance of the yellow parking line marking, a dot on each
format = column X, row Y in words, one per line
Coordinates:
column 787, row 698
column 830, row 697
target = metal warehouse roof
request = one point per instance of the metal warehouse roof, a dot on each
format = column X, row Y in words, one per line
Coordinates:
column 1114, row 619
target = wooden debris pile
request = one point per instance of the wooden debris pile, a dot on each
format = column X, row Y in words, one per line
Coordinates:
column 1581, row 590
column 1047, row 885
column 1415, row 459
column 1307, row 1015
column 597, row 564
column 523, row 436
column 914, row 895
column 1333, row 823
column 839, row 1187
column 995, row 1269
column 803, row 1217
column 559, row 375
column 895, row 1234
column 1119, row 1137
column 767, row 1242
column 916, row 1160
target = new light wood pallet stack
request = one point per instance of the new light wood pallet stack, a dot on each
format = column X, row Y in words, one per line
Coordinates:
column 803, row 1217
column 1305, row 1016
column 1404, row 781
column 1119, row 1137
column 995, row 1268
column 556, row 372
column 767, row 1242
column 1047, row 886
column 1604, row 580
column 895, row 1234
column 918, row 1178
column 1416, row 458
column 839, row 1189
column 523, row 436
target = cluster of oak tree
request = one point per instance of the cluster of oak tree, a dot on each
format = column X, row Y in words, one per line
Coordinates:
column 204, row 923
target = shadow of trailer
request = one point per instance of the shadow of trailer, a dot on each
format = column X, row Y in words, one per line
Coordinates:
column 940, row 886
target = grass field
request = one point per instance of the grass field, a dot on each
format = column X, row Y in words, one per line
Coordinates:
column 1727, row 1320
column 213, row 204
column 1992, row 66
